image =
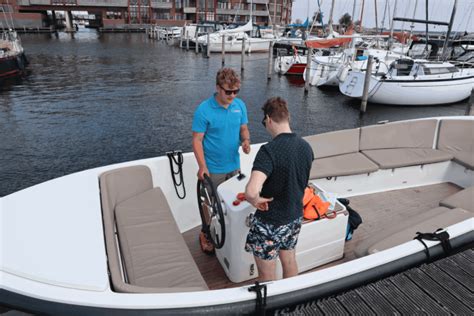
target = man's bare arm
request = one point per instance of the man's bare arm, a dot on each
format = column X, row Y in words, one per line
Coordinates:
column 199, row 154
column 253, row 188
column 245, row 138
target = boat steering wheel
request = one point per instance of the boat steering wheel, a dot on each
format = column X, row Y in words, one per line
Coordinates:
column 210, row 208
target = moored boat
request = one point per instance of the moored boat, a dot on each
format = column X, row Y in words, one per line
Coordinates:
column 115, row 239
column 413, row 82
column 12, row 56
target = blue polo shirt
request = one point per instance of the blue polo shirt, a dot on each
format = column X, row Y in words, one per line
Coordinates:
column 221, row 128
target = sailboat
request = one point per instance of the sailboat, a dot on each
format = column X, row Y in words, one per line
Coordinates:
column 12, row 56
column 122, row 239
column 411, row 81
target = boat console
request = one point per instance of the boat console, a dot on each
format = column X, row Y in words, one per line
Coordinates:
column 319, row 242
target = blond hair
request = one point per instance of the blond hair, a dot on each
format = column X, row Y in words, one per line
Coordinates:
column 227, row 76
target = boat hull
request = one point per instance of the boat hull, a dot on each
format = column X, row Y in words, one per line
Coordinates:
column 290, row 65
column 408, row 92
column 255, row 45
column 12, row 65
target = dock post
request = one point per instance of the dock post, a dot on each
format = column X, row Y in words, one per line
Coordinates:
column 208, row 48
column 223, row 50
column 470, row 108
column 365, row 94
column 308, row 69
column 196, row 48
column 270, row 60
column 187, row 40
column 242, row 55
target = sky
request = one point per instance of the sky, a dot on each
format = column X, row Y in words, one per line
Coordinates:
column 438, row 10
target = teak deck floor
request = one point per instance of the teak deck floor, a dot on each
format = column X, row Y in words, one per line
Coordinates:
column 377, row 211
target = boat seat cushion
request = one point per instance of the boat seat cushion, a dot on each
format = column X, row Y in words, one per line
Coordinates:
column 428, row 221
column 412, row 134
column 341, row 165
column 404, row 157
column 447, row 218
column 334, row 143
column 462, row 199
column 456, row 137
column 154, row 251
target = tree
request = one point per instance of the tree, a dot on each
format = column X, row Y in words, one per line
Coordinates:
column 345, row 20
column 318, row 16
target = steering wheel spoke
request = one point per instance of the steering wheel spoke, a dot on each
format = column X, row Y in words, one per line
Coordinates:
column 210, row 208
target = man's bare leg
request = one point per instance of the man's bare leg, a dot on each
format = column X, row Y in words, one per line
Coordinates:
column 266, row 269
column 288, row 262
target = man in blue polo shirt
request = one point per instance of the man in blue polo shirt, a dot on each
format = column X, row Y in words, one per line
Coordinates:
column 219, row 129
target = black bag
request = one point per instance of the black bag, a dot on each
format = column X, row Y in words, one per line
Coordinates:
column 354, row 219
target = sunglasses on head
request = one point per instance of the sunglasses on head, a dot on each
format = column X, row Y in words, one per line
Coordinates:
column 230, row 92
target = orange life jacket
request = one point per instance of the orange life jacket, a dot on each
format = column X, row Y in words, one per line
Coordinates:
column 313, row 206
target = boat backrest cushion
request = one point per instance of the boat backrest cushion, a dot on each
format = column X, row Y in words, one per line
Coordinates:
column 121, row 184
column 116, row 186
column 334, row 143
column 457, row 137
column 419, row 134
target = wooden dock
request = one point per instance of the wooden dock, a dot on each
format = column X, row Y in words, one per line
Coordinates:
column 444, row 287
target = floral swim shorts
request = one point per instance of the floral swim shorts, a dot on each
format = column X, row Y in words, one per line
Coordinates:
column 265, row 240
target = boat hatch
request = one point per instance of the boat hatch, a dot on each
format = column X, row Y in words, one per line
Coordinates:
column 438, row 70
column 403, row 67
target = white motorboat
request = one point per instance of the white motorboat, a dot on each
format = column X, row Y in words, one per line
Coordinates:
column 290, row 65
column 118, row 239
column 412, row 82
column 233, row 39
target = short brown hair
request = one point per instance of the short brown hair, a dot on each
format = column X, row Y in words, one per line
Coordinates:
column 227, row 76
column 277, row 109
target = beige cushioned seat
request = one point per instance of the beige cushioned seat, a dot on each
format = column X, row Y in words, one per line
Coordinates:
column 337, row 154
column 404, row 157
column 152, row 249
column 462, row 199
column 443, row 220
column 401, row 144
column 155, row 254
column 457, row 138
column 342, row 165
column 404, row 230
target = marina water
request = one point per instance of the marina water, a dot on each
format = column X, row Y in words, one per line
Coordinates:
column 98, row 99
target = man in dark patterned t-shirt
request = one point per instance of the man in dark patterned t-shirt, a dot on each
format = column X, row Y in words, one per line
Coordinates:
column 279, row 176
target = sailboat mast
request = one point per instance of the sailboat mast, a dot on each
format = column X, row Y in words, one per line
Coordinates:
column 412, row 26
column 353, row 11
column 391, row 26
column 445, row 46
column 427, row 34
column 376, row 18
column 361, row 15
column 330, row 17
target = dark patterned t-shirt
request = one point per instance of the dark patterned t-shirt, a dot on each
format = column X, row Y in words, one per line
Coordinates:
column 286, row 161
